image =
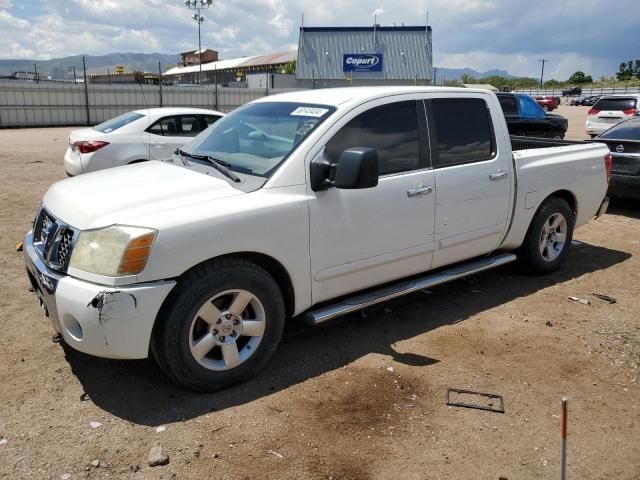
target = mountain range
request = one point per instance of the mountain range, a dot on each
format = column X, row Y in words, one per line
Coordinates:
column 62, row 68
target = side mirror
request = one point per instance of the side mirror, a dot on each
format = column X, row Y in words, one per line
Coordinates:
column 357, row 168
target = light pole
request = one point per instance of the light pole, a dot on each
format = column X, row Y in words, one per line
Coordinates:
column 198, row 6
column 543, row 61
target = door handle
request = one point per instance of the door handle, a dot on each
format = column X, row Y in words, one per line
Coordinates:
column 158, row 144
column 414, row 192
column 498, row 176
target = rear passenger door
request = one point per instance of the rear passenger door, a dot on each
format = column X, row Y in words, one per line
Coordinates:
column 472, row 179
column 171, row 132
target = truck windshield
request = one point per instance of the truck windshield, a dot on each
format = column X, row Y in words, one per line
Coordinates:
column 258, row 137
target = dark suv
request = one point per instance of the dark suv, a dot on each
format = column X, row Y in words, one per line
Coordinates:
column 526, row 118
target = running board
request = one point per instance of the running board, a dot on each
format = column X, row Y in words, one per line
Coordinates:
column 358, row 302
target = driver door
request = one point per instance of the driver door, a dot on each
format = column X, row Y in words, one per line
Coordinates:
column 360, row 238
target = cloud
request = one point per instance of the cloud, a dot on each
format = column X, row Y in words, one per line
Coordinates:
column 481, row 34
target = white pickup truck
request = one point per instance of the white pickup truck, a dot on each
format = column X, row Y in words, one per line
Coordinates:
column 310, row 205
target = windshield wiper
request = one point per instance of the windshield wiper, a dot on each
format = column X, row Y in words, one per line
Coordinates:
column 219, row 165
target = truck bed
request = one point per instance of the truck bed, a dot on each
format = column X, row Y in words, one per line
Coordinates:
column 530, row 143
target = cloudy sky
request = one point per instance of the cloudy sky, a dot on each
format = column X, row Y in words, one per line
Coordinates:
column 589, row 35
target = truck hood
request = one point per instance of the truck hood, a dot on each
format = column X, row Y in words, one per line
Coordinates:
column 122, row 194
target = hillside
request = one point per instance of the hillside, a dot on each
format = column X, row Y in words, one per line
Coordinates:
column 62, row 68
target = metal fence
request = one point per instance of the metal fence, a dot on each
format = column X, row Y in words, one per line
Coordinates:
column 31, row 104
column 587, row 90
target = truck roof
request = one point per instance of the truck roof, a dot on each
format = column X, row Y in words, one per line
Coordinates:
column 339, row 96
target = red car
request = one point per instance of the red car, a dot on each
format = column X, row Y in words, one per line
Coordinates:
column 548, row 103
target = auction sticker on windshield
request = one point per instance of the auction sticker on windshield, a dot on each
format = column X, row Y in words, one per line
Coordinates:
column 309, row 112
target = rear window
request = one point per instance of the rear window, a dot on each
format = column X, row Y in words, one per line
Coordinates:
column 615, row 104
column 529, row 108
column 463, row 129
column 629, row 130
column 118, row 122
column 508, row 104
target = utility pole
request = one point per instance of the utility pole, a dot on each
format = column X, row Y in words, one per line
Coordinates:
column 198, row 5
column 543, row 61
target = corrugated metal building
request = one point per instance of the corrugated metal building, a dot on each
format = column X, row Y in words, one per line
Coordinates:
column 330, row 56
column 227, row 72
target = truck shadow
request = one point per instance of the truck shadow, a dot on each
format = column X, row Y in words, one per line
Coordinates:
column 139, row 392
column 625, row 207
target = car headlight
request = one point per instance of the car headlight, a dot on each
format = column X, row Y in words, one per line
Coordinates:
column 114, row 251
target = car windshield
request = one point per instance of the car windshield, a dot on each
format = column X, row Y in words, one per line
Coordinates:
column 258, row 137
column 118, row 122
column 629, row 130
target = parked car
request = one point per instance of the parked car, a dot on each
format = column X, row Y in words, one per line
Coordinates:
column 586, row 101
column 548, row 103
column 623, row 141
column 572, row 92
column 309, row 204
column 138, row 136
column 525, row 117
column 611, row 109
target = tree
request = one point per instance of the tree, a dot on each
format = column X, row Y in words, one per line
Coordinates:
column 627, row 70
column 290, row 68
column 580, row 77
column 466, row 78
column 552, row 83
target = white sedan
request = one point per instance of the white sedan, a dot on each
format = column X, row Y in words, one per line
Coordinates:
column 137, row 136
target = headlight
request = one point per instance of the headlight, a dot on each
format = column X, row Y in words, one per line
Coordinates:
column 113, row 251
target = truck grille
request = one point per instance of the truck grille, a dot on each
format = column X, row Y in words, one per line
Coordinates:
column 54, row 240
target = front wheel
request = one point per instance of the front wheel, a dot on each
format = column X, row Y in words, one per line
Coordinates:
column 222, row 325
column 549, row 236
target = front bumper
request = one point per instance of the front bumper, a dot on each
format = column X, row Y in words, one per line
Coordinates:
column 95, row 319
column 624, row 186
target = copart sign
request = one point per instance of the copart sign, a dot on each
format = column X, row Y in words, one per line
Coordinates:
column 362, row 62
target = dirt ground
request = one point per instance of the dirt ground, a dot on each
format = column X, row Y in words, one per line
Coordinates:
column 360, row 398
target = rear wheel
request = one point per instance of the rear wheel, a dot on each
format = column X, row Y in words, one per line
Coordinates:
column 556, row 134
column 223, row 323
column 549, row 236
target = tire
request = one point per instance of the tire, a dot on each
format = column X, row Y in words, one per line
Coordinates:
column 545, row 108
column 556, row 134
column 196, row 334
column 541, row 258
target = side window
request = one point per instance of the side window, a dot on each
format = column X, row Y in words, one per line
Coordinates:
column 189, row 126
column 392, row 130
column 176, row 126
column 210, row 120
column 508, row 104
column 167, row 126
column 463, row 131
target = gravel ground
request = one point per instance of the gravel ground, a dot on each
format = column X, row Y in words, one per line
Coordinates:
column 361, row 398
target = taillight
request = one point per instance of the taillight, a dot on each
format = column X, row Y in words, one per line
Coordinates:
column 89, row 146
column 593, row 111
column 629, row 111
column 608, row 160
